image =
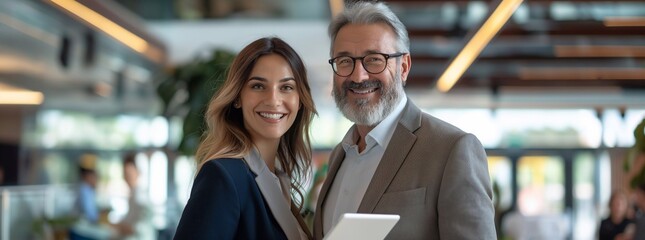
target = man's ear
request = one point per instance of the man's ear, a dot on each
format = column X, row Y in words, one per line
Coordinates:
column 406, row 63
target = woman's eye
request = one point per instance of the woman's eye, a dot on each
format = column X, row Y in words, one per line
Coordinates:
column 288, row 87
column 257, row 86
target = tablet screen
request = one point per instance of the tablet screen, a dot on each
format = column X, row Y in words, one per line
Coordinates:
column 362, row 226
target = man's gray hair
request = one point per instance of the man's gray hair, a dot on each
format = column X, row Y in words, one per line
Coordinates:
column 370, row 13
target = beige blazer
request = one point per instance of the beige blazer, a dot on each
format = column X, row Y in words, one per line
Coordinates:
column 433, row 175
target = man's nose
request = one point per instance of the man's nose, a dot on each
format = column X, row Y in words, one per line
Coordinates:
column 359, row 74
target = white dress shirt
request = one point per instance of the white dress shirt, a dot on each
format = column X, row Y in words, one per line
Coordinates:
column 357, row 169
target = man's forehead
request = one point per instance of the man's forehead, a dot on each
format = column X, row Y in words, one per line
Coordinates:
column 363, row 39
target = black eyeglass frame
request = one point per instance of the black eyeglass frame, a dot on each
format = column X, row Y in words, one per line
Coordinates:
column 385, row 55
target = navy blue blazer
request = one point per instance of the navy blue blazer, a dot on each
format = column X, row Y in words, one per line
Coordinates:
column 226, row 203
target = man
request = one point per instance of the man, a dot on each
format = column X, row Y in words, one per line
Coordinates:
column 89, row 224
column 86, row 201
column 397, row 159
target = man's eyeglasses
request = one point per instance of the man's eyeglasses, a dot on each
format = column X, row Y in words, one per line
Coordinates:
column 373, row 63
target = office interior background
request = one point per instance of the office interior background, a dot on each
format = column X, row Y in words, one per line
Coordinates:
column 554, row 97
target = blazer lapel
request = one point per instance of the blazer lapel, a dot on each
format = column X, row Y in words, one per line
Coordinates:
column 402, row 141
column 279, row 207
column 285, row 182
column 296, row 212
column 274, row 197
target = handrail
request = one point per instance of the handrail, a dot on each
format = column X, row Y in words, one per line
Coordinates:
column 35, row 192
column 4, row 229
column 34, row 187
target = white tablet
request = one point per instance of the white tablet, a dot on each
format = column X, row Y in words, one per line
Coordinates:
column 363, row 226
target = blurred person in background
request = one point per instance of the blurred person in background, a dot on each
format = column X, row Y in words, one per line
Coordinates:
column 90, row 225
column 613, row 227
column 639, row 216
column 255, row 151
column 137, row 223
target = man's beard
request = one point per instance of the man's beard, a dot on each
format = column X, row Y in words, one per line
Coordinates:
column 360, row 111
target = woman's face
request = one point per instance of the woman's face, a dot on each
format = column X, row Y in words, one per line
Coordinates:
column 619, row 205
column 269, row 99
column 130, row 174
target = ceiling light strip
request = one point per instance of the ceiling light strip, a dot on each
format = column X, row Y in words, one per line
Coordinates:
column 21, row 97
column 476, row 44
column 336, row 7
column 15, row 95
column 99, row 21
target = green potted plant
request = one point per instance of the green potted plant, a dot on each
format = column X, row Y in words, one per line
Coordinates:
column 187, row 90
column 634, row 153
column 53, row 228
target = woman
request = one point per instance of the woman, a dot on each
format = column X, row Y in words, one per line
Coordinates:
column 255, row 149
column 137, row 223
